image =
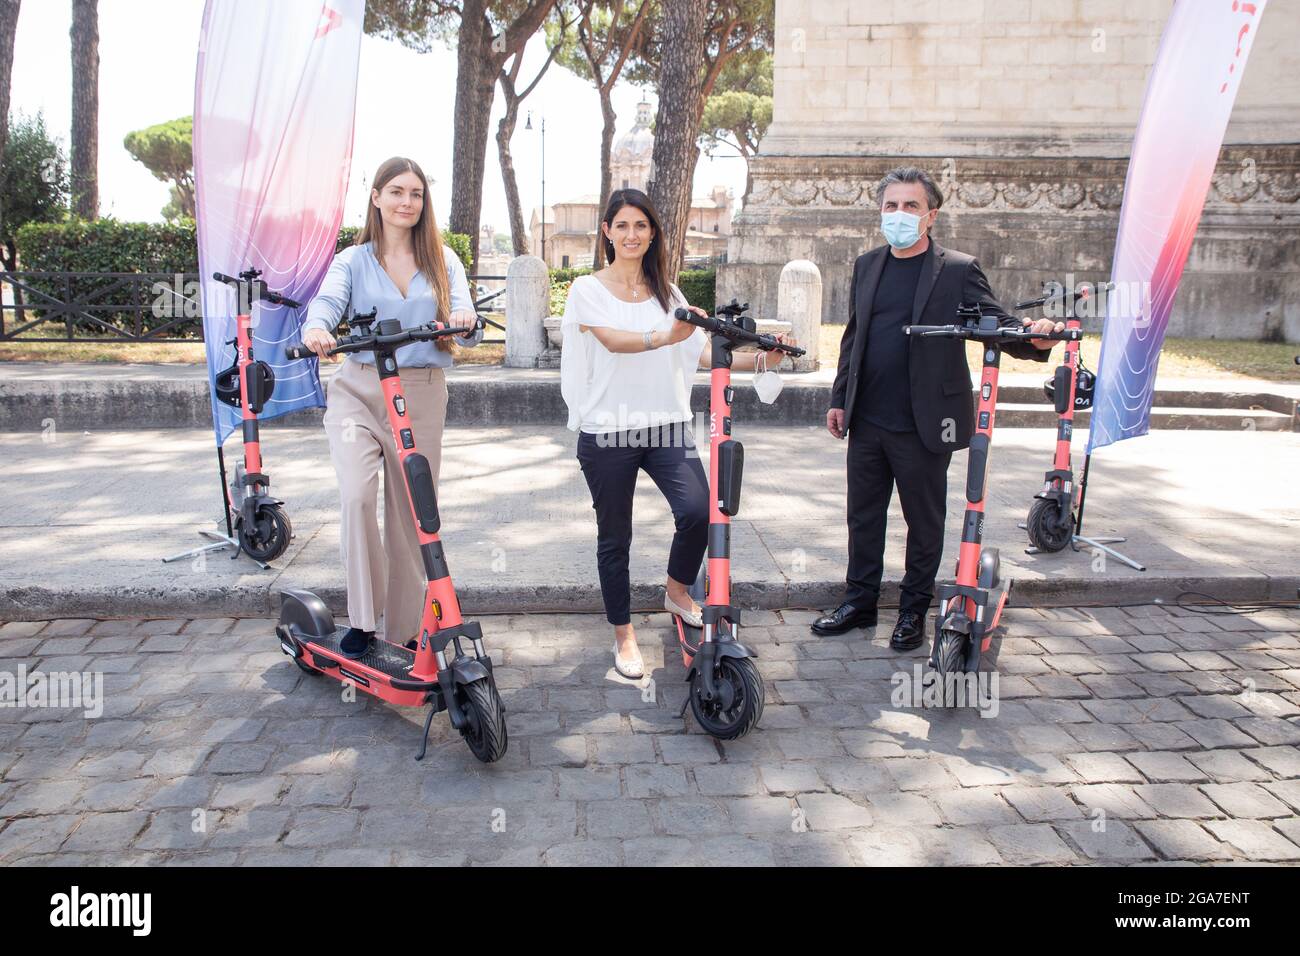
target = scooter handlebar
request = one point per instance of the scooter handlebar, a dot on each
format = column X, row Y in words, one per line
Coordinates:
column 276, row 298
column 999, row 334
column 370, row 341
column 1062, row 296
column 767, row 343
column 263, row 293
column 707, row 322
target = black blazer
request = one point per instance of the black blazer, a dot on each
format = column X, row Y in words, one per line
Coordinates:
column 937, row 369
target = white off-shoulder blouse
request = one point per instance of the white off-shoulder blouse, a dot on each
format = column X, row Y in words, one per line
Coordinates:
column 616, row 391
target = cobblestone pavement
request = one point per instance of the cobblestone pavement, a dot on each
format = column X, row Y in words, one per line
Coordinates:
column 1134, row 735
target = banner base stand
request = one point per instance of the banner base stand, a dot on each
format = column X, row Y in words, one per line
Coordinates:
column 1100, row 545
column 219, row 543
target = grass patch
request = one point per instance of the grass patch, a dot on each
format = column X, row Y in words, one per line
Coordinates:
column 1180, row 358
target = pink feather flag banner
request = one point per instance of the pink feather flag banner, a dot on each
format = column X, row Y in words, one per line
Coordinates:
column 274, row 102
column 1189, row 98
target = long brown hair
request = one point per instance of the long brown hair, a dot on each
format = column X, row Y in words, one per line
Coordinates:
column 655, row 261
column 426, row 240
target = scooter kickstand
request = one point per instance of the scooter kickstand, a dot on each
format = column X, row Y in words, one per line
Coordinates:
column 424, row 738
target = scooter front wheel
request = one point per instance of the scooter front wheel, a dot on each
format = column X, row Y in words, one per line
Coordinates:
column 485, row 732
column 1046, row 530
column 269, row 536
column 949, row 661
column 739, row 702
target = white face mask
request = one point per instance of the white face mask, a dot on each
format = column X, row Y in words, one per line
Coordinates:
column 767, row 383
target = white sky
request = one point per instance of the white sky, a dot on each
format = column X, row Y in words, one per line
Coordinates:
column 147, row 51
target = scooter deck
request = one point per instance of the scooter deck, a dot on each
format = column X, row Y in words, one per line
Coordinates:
column 391, row 660
column 690, row 639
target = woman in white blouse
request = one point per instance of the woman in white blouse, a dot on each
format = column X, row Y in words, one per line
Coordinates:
column 626, row 371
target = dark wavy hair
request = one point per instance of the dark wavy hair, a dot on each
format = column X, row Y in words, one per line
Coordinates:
column 655, row 262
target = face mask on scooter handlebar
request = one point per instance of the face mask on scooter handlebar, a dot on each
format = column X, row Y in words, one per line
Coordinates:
column 767, row 383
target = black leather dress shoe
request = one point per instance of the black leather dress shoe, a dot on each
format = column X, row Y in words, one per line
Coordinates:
column 908, row 632
column 356, row 643
column 844, row 618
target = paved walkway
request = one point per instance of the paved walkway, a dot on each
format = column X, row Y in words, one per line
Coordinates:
column 1121, row 736
column 88, row 516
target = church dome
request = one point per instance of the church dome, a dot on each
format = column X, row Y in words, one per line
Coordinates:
column 637, row 145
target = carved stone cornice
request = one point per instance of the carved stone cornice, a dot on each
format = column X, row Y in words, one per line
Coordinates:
column 1245, row 175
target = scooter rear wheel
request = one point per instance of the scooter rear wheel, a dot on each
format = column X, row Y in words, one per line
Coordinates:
column 739, row 705
column 486, row 733
column 950, row 660
column 1045, row 528
column 270, row 535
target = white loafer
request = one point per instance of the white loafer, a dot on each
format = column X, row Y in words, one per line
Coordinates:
column 690, row 617
column 632, row 670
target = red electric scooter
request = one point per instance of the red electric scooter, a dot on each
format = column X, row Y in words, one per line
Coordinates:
column 970, row 609
column 726, row 691
column 1050, row 524
column 255, row 522
column 461, row 685
column 1056, row 516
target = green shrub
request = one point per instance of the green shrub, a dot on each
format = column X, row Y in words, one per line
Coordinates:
column 697, row 285
column 109, row 245
column 561, row 279
column 700, row 287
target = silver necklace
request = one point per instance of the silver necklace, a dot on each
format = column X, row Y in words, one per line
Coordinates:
column 635, row 287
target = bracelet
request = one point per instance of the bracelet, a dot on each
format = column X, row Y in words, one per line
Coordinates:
column 645, row 339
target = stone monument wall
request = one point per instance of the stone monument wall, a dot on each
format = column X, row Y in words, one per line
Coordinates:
column 1023, row 111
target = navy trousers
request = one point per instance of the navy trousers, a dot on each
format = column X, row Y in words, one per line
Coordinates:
column 610, row 463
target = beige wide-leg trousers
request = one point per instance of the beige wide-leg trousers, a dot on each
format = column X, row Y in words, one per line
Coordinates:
column 387, row 580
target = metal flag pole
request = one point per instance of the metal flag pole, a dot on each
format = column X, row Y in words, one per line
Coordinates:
column 1098, row 543
column 219, row 541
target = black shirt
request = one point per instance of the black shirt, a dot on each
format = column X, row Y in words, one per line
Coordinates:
column 885, row 395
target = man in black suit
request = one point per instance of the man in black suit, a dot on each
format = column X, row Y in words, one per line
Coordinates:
column 904, row 401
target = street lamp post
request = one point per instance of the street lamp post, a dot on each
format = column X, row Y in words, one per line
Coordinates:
column 529, row 125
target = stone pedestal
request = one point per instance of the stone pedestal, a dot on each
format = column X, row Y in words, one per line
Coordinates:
column 799, row 302
column 550, row 358
column 528, row 300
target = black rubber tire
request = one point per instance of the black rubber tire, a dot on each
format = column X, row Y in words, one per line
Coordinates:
column 747, row 702
column 306, row 668
column 1044, row 527
column 486, row 734
column 270, row 535
column 950, row 658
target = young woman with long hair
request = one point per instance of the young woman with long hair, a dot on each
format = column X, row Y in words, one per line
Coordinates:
column 627, row 366
column 399, row 266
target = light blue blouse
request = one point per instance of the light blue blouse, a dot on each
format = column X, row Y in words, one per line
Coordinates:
column 356, row 282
